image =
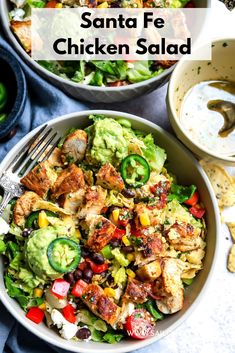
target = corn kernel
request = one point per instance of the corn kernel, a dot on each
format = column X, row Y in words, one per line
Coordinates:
column 144, row 219
column 42, row 220
column 130, row 257
column 110, row 292
column 43, row 307
column 130, row 273
column 104, row 5
column 58, row 6
column 115, row 214
column 126, row 241
column 38, row 292
column 78, row 234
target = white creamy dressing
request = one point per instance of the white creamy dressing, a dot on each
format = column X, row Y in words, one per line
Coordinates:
column 203, row 124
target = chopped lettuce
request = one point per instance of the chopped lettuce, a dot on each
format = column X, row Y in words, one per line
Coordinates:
column 29, row 278
column 2, row 246
column 152, row 309
column 155, row 155
column 98, row 78
column 119, row 275
column 181, row 193
column 139, row 72
column 120, row 257
column 115, row 198
column 14, row 292
column 87, row 318
column 112, row 337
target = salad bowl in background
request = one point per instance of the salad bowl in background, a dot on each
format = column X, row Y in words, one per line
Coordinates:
column 80, row 91
column 188, row 171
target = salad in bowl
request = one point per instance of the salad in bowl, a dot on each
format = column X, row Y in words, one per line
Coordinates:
column 94, row 72
column 104, row 241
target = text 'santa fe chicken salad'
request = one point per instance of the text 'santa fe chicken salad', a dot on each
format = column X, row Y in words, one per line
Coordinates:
column 103, row 242
column 96, row 72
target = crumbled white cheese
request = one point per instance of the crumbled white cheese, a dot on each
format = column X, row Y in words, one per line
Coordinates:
column 118, row 293
column 4, row 227
column 127, row 310
column 67, row 329
column 17, row 14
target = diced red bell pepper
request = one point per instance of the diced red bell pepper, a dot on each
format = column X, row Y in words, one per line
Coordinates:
column 82, row 266
column 136, row 232
column 98, row 268
column 60, row 288
column 119, row 233
column 197, row 211
column 79, row 288
column 51, row 4
column 69, row 313
column 193, row 199
column 104, row 210
column 35, row 314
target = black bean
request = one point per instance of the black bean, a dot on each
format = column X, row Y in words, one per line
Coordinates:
column 97, row 258
column 128, row 249
column 128, row 193
column 115, row 243
column 26, row 232
column 87, row 274
column 83, row 333
column 77, row 274
column 69, row 277
column 85, row 252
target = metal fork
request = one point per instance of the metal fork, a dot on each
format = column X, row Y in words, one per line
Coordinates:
column 24, row 161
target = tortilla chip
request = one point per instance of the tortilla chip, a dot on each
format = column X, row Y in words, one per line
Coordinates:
column 231, row 259
column 222, row 183
column 231, row 227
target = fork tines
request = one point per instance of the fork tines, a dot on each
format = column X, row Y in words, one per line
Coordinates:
column 30, row 154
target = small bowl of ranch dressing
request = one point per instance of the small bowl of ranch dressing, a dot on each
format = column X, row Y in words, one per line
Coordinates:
column 201, row 103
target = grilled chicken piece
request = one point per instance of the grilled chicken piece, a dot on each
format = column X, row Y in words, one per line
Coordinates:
column 94, row 201
column 164, row 63
column 72, row 201
column 74, row 147
column 136, row 291
column 24, row 206
column 40, row 179
column 22, row 30
column 183, row 236
column 171, row 287
column 100, row 304
column 171, row 274
column 70, row 180
column 171, row 304
column 100, row 232
column 109, row 178
column 155, row 215
column 151, row 244
column 55, row 158
column 149, row 272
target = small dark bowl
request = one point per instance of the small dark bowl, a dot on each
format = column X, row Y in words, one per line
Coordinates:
column 12, row 76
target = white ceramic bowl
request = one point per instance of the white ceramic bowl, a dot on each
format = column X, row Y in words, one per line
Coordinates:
column 188, row 171
column 84, row 92
column 186, row 75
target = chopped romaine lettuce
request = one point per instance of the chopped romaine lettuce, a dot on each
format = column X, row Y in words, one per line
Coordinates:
column 181, row 193
column 139, row 72
column 120, row 257
column 155, row 155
